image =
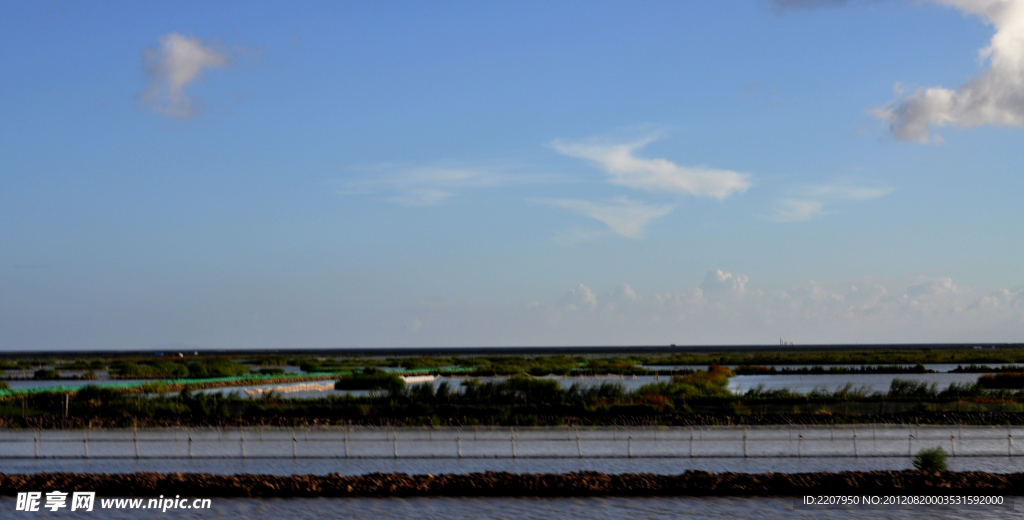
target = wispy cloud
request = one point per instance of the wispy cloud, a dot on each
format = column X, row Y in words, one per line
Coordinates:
column 178, row 62
column 625, row 168
column 430, row 185
column 810, row 203
column 795, row 210
column 625, row 217
column 996, row 97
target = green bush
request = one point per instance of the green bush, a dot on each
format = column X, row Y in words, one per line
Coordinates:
column 47, row 373
column 902, row 388
column 1003, row 380
column 148, row 370
column 931, row 459
column 310, row 365
column 389, row 382
column 216, row 368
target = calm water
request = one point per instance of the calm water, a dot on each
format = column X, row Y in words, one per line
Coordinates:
column 609, row 508
column 873, row 382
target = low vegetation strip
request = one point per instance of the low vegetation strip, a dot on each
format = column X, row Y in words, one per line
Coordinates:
column 700, row 397
column 690, row 483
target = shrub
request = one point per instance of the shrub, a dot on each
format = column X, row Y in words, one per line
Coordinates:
column 310, row 365
column 47, row 373
column 961, row 390
column 931, row 459
column 216, row 368
column 148, row 370
column 901, row 388
column 710, row 383
column 389, row 382
column 1003, row 380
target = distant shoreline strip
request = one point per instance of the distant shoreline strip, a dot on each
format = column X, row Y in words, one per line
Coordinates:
column 494, row 484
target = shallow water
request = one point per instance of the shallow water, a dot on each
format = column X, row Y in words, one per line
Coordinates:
column 873, row 382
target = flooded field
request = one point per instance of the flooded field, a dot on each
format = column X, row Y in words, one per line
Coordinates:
column 802, row 383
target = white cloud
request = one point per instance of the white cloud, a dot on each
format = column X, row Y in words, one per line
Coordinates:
column 170, row 69
column 1000, row 299
column 995, row 97
column 932, row 287
column 625, row 217
column 795, row 210
column 656, row 175
column 580, row 296
column 430, row 185
column 626, row 293
column 718, row 282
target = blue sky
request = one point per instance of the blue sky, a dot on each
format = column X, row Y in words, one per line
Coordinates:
column 246, row 175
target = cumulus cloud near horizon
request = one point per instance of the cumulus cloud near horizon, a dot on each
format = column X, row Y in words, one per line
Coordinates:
column 719, row 306
column 995, row 97
column 723, row 308
column 178, row 62
column 718, row 281
column 625, row 168
column 726, row 307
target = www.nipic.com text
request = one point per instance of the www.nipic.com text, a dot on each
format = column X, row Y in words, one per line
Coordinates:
column 86, row 501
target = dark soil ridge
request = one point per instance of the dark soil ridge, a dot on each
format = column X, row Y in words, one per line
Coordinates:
column 690, row 483
column 695, row 420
